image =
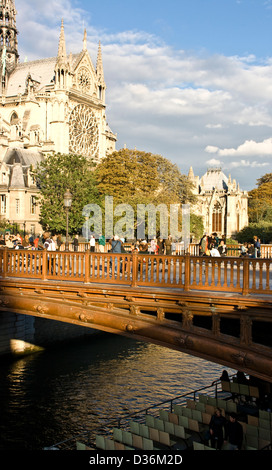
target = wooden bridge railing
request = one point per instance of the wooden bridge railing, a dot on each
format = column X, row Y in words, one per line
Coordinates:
column 240, row 275
column 193, row 249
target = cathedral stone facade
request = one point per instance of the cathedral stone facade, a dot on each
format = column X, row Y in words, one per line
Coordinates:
column 220, row 202
column 48, row 105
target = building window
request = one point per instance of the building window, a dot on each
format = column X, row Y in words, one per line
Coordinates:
column 3, row 201
column 33, row 204
column 17, row 206
column 238, row 222
column 217, row 218
column 14, row 119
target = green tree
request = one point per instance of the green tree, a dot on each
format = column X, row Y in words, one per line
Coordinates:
column 196, row 226
column 260, row 202
column 54, row 176
column 127, row 176
column 130, row 175
column 267, row 178
column 136, row 177
column 263, row 230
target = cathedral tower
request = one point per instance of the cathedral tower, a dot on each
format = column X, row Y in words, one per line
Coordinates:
column 8, row 40
column 48, row 105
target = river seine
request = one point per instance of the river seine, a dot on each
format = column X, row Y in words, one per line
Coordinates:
column 53, row 395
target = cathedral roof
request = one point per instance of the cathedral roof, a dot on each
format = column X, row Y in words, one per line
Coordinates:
column 41, row 71
column 25, row 157
column 213, row 179
column 19, row 161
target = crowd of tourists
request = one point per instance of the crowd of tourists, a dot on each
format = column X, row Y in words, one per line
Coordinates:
column 214, row 246
column 30, row 242
column 209, row 245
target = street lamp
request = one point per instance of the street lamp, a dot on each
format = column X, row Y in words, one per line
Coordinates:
column 67, row 204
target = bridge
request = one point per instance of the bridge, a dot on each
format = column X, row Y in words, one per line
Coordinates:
column 218, row 309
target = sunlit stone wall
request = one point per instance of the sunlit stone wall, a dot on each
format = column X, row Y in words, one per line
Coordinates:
column 25, row 334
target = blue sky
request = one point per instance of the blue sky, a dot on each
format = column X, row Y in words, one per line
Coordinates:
column 188, row 79
column 220, row 26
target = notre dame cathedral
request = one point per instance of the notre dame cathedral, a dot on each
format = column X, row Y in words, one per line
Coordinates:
column 58, row 105
column 48, row 105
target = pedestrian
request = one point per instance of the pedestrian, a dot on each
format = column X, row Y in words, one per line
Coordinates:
column 168, row 245
column 75, row 242
column 50, row 244
column 257, row 247
column 36, row 241
column 116, row 245
column 59, row 242
column 101, row 243
column 18, row 236
column 216, row 428
column 203, row 245
column 161, row 246
column 225, row 376
column 92, row 244
column 233, row 433
column 251, row 250
column 153, row 245
column 214, row 251
column 143, row 247
column 244, row 249
column 222, row 248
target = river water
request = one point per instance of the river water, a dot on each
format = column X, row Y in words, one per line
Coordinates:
column 53, row 395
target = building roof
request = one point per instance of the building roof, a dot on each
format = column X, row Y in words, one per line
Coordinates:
column 213, row 179
column 41, row 71
column 19, row 162
column 25, row 157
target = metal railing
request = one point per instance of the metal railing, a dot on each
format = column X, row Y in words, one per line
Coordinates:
column 89, row 436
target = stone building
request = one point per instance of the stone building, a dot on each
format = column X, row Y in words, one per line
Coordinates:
column 221, row 203
column 49, row 105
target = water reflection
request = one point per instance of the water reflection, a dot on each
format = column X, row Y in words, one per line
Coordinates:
column 52, row 395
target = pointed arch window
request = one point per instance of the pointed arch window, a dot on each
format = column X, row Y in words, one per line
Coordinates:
column 217, row 218
column 14, row 119
column 238, row 211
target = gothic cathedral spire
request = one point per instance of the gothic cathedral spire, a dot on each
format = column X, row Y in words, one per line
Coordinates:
column 100, row 74
column 62, row 57
column 8, row 39
column 62, row 68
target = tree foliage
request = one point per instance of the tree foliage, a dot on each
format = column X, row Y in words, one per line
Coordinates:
column 136, row 177
column 129, row 176
column 260, row 202
column 260, row 212
column 262, row 230
column 267, row 178
column 132, row 177
column 54, row 176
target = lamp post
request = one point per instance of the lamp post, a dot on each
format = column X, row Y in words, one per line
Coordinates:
column 67, row 204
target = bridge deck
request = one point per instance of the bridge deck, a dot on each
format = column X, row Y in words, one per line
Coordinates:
column 214, row 308
column 241, row 275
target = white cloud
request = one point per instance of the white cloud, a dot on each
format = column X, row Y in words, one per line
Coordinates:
column 179, row 104
column 214, row 126
column 247, row 163
column 249, row 148
column 211, row 149
column 214, row 162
